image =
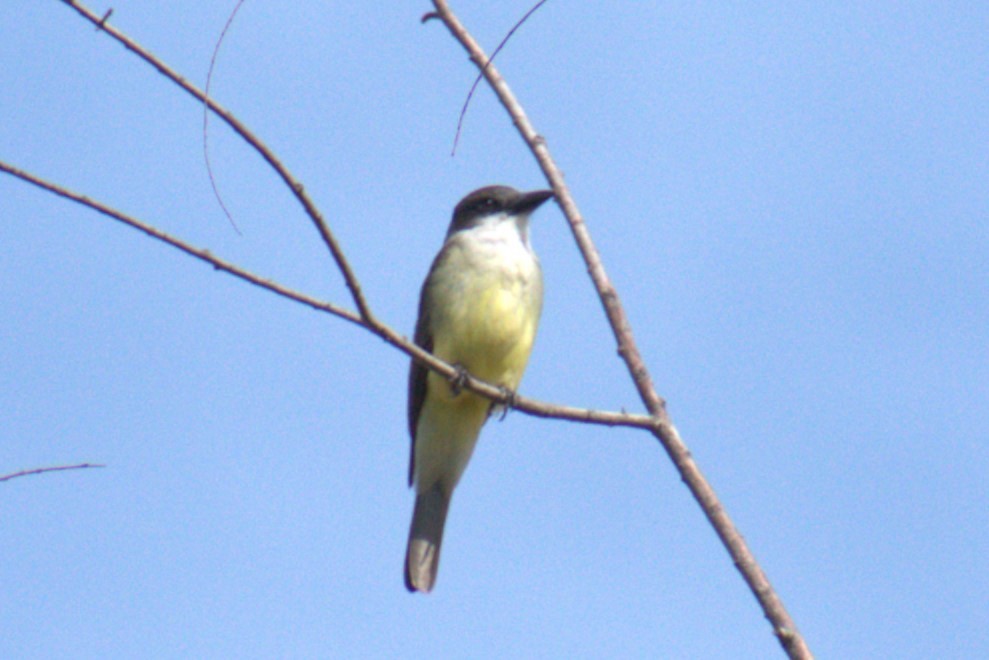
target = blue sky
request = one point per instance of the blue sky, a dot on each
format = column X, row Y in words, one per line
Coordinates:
column 791, row 199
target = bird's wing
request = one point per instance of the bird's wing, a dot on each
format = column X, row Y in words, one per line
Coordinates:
column 417, row 377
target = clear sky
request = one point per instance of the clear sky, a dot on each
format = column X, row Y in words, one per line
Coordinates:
column 791, row 198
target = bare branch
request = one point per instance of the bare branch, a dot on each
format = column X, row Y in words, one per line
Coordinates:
column 530, row 406
column 294, row 185
column 199, row 253
column 663, row 429
column 54, row 468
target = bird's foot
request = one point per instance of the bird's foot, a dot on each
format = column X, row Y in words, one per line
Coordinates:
column 459, row 379
column 511, row 398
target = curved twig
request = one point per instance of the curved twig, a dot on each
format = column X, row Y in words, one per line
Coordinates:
column 209, row 80
column 480, row 75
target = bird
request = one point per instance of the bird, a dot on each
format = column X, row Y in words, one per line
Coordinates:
column 479, row 310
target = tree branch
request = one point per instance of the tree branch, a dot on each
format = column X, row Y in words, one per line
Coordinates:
column 294, row 185
column 524, row 404
column 663, row 428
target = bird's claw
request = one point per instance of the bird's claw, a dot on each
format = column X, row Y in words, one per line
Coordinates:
column 459, row 379
column 511, row 398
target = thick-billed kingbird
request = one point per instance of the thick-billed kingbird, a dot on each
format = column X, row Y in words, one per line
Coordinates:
column 478, row 310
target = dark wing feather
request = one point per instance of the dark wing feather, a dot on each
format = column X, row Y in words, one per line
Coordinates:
column 417, row 376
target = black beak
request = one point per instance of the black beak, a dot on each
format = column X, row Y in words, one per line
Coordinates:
column 530, row 201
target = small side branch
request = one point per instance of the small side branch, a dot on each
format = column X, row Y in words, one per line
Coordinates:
column 54, row 468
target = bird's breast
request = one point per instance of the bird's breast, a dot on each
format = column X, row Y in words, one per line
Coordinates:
column 486, row 308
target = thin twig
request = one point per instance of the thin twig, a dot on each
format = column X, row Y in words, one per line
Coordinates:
column 523, row 404
column 294, row 185
column 209, row 80
column 480, row 75
column 104, row 19
column 663, row 429
column 55, row 468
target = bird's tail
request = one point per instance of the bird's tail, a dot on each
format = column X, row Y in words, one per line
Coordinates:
column 422, row 557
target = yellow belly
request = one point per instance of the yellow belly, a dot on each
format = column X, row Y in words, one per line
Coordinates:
column 489, row 330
